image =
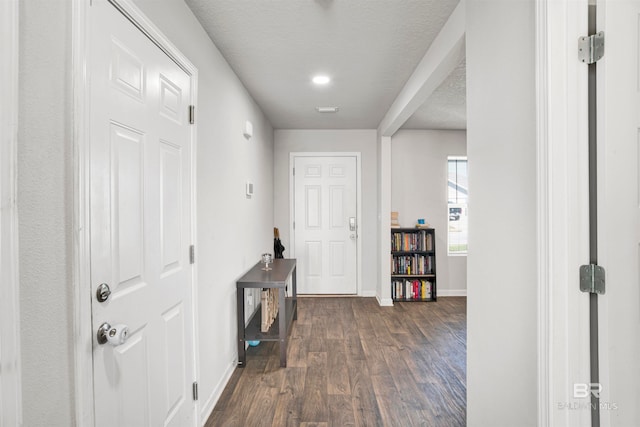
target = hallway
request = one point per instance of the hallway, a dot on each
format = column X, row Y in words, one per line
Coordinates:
column 352, row 362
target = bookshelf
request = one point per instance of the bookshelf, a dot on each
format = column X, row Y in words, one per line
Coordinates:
column 413, row 264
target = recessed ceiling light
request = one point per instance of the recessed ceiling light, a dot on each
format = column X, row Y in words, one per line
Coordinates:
column 321, row 80
column 327, row 109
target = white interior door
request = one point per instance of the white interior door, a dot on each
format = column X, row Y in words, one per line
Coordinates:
column 140, row 226
column 619, row 211
column 325, row 227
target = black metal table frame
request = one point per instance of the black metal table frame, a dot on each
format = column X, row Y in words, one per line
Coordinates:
column 256, row 278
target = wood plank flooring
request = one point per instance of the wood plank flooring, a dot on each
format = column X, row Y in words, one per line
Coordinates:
column 351, row 362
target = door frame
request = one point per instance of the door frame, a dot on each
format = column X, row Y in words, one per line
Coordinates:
column 292, row 238
column 11, row 380
column 562, row 209
column 83, row 331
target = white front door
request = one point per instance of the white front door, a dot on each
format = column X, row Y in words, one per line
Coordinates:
column 140, row 226
column 619, row 212
column 325, row 224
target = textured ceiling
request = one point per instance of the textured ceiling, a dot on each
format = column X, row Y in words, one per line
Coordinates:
column 368, row 47
column 446, row 108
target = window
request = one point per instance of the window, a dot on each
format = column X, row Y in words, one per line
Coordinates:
column 457, row 190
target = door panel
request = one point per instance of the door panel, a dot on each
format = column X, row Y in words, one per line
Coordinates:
column 619, row 212
column 337, row 208
column 337, row 252
column 174, row 353
column 325, row 198
column 127, row 215
column 131, row 370
column 140, row 226
column 171, row 239
column 313, row 206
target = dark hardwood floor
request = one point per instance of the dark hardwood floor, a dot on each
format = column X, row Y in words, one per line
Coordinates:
column 351, row 362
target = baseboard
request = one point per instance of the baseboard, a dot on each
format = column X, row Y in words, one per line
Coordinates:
column 452, row 293
column 368, row 294
column 210, row 403
column 384, row 302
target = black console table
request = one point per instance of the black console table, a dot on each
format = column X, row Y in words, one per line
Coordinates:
column 257, row 278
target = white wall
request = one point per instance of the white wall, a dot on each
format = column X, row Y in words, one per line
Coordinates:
column 232, row 230
column 419, row 190
column 363, row 141
column 502, row 275
column 45, row 212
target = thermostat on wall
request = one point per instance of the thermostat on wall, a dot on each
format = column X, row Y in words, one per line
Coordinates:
column 249, row 189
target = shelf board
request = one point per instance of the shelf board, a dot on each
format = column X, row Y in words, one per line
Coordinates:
column 402, row 276
column 414, row 300
column 410, row 229
column 413, row 252
column 252, row 331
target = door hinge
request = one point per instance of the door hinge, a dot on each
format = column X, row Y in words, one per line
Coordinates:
column 592, row 279
column 192, row 254
column 192, row 114
column 294, row 225
column 195, row 390
column 591, row 48
column 294, row 171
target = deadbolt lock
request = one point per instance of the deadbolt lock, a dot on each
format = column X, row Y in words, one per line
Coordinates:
column 103, row 292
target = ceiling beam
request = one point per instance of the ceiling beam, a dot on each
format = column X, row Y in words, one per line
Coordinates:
column 444, row 54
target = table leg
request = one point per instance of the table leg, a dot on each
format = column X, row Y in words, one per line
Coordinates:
column 242, row 353
column 282, row 331
column 294, row 293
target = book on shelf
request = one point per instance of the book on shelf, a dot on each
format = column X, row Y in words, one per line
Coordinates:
column 420, row 240
column 416, row 264
column 406, row 289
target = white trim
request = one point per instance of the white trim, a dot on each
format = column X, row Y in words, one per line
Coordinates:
column 83, row 366
column 562, row 211
column 444, row 293
column 83, row 333
column 384, row 302
column 542, row 216
column 358, row 156
column 10, row 363
column 194, row 241
column 209, row 405
column 384, row 220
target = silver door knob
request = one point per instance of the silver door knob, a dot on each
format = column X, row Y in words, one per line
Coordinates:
column 114, row 335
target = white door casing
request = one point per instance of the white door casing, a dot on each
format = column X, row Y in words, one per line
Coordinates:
column 10, row 366
column 141, row 186
column 619, row 211
column 325, row 214
column 563, row 210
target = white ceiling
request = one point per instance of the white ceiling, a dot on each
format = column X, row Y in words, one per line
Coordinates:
column 446, row 108
column 368, row 47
